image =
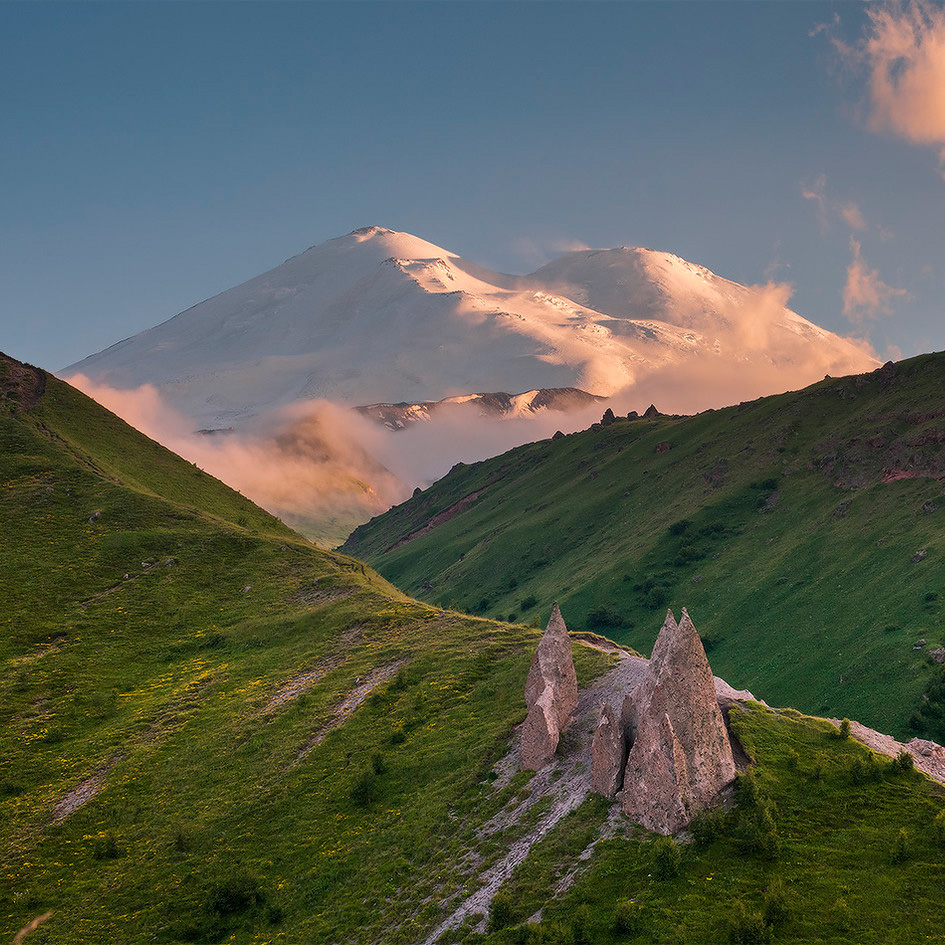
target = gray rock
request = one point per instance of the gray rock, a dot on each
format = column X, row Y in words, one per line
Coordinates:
column 608, row 753
column 656, row 788
column 550, row 694
column 680, row 757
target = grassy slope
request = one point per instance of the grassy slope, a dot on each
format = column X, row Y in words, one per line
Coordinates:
column 208, row 826
column 160, row 680
column 814, row 603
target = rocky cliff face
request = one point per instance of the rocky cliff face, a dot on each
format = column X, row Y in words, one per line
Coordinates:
column 550, row 694
column 681, row 757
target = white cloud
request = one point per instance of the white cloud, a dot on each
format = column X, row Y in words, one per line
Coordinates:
column 865, row 295
column 904, row 52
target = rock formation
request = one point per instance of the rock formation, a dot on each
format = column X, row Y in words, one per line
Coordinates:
column 608, row 753
column 680, row 756
column 550, row 694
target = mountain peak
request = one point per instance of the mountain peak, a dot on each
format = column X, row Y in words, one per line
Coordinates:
column 340, row 321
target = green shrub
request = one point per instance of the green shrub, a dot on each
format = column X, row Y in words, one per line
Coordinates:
column 234, row 896
column 666, row 858
column 939, row 826
column 900, row 850
column 757, row 832
column 364, row 790
column 844, row 729
column 655, row 598
column 378, row 765
column 527, row 602
column 627, row 918
column 747, row 793
column 500, row 912
column 902, row 763
column 775, row 907
column 603, row 618
column 707, row 827
column 106, row 847
column 748, row 927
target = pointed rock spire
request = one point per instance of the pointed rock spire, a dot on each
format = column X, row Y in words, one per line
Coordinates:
column 677, row 695
column 550, row 694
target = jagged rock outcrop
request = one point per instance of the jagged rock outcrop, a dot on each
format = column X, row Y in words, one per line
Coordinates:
column 550, row 694
column 680, row 756
column 608, row 753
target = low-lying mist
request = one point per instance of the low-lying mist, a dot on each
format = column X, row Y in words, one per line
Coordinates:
column 323, row 468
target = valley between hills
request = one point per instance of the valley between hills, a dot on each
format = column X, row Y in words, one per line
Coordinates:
column 215, row 731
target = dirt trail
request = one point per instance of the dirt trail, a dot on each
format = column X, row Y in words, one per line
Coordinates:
column 567, row 783
column 298, row 684
column 32, row 927
column 351, row 702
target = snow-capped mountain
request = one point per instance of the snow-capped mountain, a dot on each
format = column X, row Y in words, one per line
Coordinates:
column 379, row 316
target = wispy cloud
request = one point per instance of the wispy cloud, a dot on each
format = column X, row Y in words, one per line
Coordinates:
column 535, row 252
column 865, row 295
column 904, row 52
column 848, row 211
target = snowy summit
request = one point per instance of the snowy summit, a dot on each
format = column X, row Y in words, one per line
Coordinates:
column 382, row 316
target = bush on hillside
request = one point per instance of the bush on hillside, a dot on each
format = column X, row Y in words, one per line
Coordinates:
column 901, row 850
column 604, row 618
column 628, row 918
column 364, row 790
column 500, row 912
column 666, row 858
column 748, row 927
column 775, row 909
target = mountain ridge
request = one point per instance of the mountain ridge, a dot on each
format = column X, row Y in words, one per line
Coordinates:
column 382, row 316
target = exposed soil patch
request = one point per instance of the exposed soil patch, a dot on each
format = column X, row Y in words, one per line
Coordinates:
column 927, row 756
column 147, row 567
column 303, row 681
column 158, row 728
column 350, row 702
column 440, row 517
column 32, row 927
column 80, row 795
column 313, row 594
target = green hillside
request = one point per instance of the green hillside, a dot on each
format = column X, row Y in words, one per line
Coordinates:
column 803, row 532
column 213, row 731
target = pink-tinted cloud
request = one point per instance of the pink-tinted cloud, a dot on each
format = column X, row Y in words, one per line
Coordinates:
column 904, row 51
column 865, row 295
column 848, row 211
column 309, row 462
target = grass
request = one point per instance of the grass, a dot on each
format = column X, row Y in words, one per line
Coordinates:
column 211, row 817
column 150, row 613
column 770, row 522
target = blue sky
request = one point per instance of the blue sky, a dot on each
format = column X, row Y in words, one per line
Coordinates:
column 153, row 155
